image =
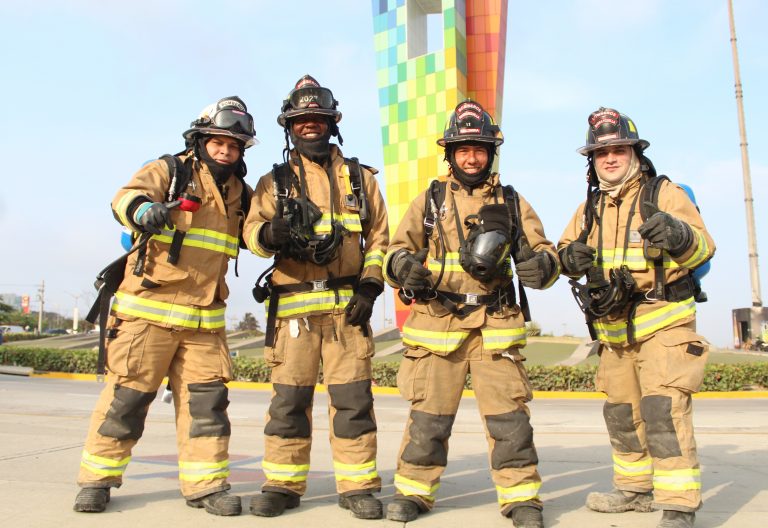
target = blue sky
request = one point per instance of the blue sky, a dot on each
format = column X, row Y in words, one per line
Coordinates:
column 92, row 89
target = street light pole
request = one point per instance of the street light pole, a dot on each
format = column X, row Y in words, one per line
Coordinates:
column 754, row 274
column 41, row 294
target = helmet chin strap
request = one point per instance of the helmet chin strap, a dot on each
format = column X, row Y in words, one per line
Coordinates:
column 220, row 171
column 470, row 180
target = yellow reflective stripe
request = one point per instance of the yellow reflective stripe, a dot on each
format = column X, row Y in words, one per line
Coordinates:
column 519, row 493
column 168, row 313
column 347, row 182
column 503, row 338
column 651, row 322
column 348, row 220
column 374, row 258
column 677, row 479
column 355, row 472
column 122, row 207
column 285, row 472
column 302, row 303
column 199, row 471
column 633, row 469
column 203, row 239
column 700, row 255
column 253, row 243
column 437, row 341
column 106, row 467
column 646, row 324
column 411, row 487
column 451, row 263
column 634, row 259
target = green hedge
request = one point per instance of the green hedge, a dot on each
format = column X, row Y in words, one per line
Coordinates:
column 23, row 336
column 718, row 377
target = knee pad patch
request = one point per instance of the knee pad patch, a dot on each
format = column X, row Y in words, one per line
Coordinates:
column 621, row 427
column 353, row 403
column 127, row 413
column 208, row 404
column 659, row 427
column 288, row 411
column 428, row 435
column 513, row 436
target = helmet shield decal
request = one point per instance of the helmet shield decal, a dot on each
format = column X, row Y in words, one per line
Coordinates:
column 469, row 122
column 608, row 127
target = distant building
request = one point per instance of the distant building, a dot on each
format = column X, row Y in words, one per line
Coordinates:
column 11, row 299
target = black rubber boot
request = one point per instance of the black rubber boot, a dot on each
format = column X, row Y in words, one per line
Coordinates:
column 363, row 506
column 677, row 519
column 218, row 503
column 618, row 501
column 526, row 517
column 403, row 510
column 91, row 500
column 273, row 503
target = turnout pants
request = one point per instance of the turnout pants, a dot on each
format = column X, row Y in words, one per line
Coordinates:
column 649, row 415
column 434, row 384
column 300, row 346
column 138, row 357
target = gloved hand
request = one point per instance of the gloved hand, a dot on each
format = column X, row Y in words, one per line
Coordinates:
column 276, row 233
column 408, row 268
column 153, row 216
column 665, row 231
column 360, row 306
column 577, row 258
column 535, row 271
column 495, row 217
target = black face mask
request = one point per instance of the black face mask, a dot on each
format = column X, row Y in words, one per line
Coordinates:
column 220, row 171
column 471, row 180
column 317, row 150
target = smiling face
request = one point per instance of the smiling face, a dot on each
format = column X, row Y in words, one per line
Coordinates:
column 612, row 163
column 309, row 127
column 223, row 149
column 471, row 158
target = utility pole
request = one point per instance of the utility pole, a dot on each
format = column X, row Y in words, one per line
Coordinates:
column 756, row 310
column 41, row 296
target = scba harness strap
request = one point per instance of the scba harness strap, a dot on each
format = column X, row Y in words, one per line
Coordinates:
column 109, row 279
column 600, row 297
column 302, row 213
column 435, row 199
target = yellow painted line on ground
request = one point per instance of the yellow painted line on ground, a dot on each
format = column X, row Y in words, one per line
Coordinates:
column 542, row 395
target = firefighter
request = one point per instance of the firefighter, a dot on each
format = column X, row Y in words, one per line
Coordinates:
column 452, row 255
column 322, row 218
column 168, row 315
column 638, row 237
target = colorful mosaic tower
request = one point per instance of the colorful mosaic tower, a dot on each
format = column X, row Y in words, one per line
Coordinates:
column 418, row 88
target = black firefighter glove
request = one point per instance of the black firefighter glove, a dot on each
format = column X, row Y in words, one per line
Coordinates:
column 536, row 270
column 577, row 258
column 495, row 217
column 664, row 231
column 360, row 306
column 152, row 217
column 408, row 268
column 275, row 234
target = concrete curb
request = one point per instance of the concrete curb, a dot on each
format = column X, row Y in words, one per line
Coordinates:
column 251, row 385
